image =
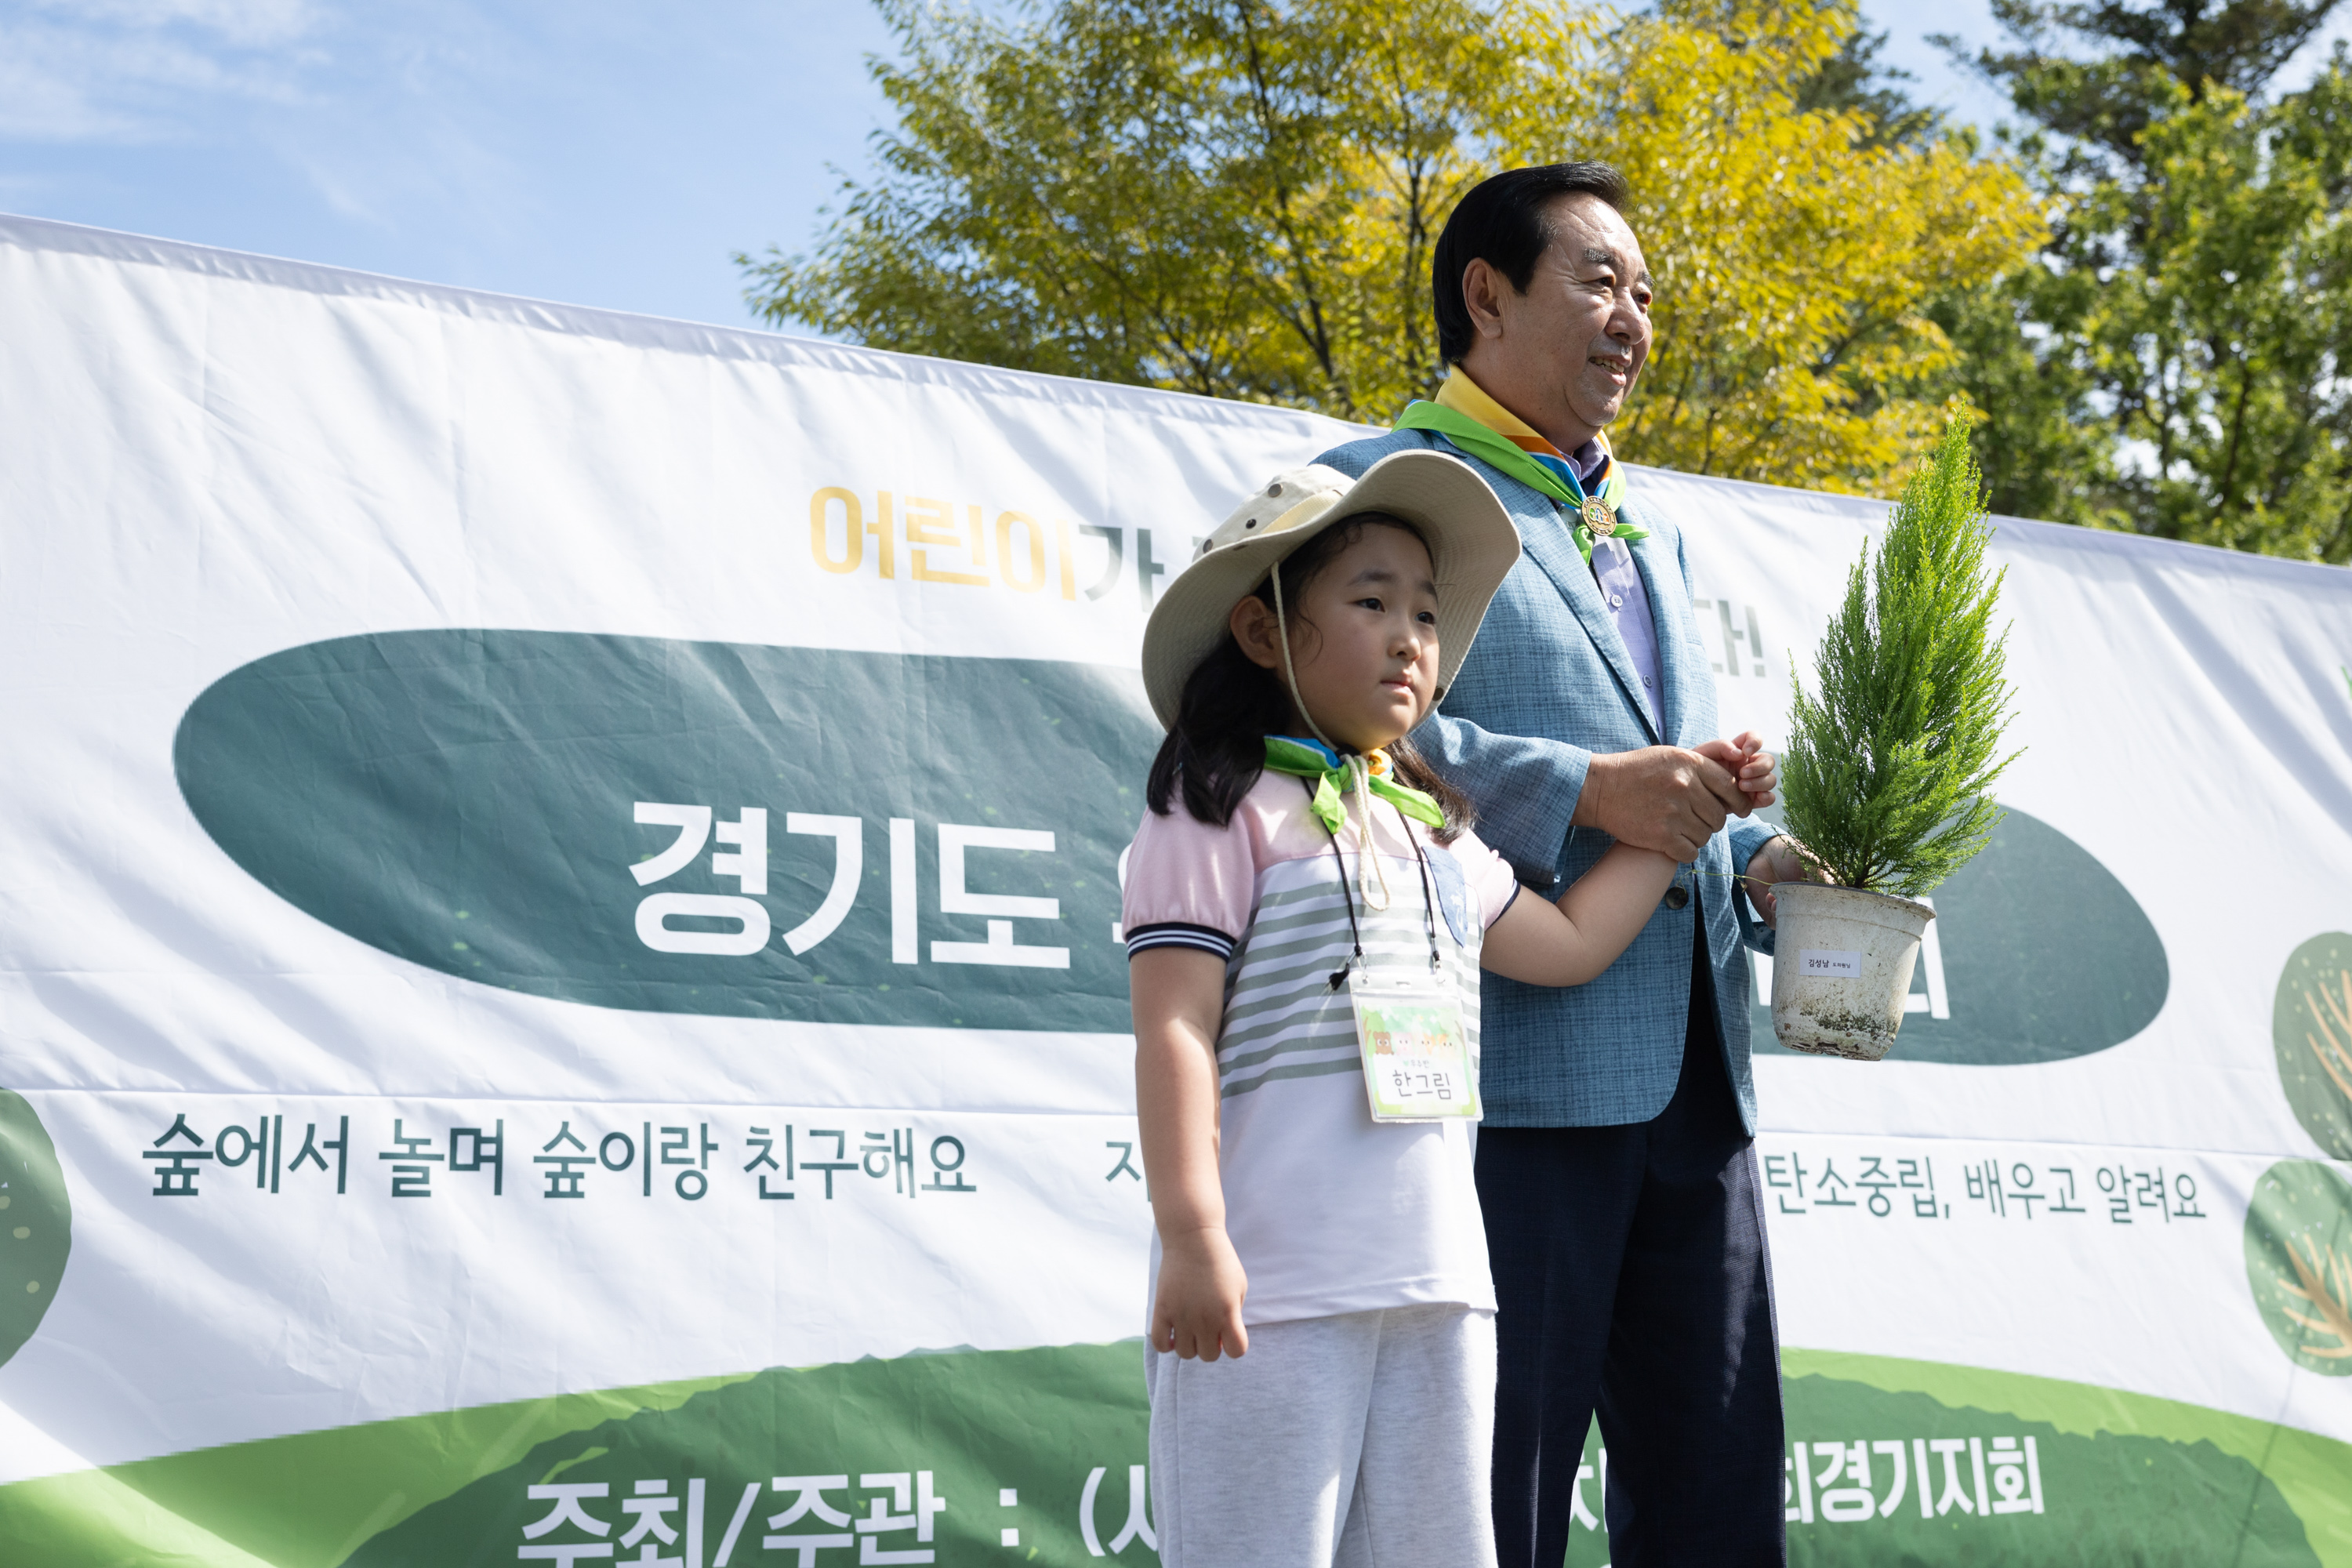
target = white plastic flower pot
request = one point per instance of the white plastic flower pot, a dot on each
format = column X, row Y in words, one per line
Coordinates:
column 1841, row 968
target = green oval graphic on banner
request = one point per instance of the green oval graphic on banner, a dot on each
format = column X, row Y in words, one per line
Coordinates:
column 694, row 827
column 2311, row 1030
column 2299, row 1262
column 2036, row 953
column 36, row 1222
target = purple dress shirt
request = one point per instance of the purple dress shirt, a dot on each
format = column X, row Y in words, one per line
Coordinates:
column 1622, row 590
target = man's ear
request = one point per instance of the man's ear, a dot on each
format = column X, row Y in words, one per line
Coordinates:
column 1253, row 626
column 1482, row 290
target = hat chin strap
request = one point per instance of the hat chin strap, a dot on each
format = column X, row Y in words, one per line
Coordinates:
column 1368, row 865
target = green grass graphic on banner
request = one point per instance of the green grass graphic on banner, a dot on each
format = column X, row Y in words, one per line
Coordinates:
column 2311, row 1030
column 2020, row 1470
column 2299, row 1262
column 2040, row 954
column 694, row 827
column 36, row 1222
column 2021, row 1493
column 1060, row 1430
column 305, row 1500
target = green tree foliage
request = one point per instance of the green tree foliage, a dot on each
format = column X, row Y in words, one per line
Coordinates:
column 1239, row 198
column 2149, row 57
column 2174, row 362
column 1795, row 250
column 1221, row 196
column 1891, row 761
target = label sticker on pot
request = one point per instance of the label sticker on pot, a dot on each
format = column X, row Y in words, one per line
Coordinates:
column 1823, row 962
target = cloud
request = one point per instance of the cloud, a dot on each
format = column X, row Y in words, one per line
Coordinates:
column 130, row 70
column 246, row 24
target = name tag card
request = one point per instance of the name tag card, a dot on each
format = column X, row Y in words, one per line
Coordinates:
column 1416, row 1059
column 1819, row 960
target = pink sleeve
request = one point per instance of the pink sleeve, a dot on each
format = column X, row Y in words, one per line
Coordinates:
column 1489, row 876
column 1189, row 884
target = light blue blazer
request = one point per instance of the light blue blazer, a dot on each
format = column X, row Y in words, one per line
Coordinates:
column 1549, row 685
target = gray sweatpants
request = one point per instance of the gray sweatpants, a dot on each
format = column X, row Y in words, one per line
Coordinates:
column 1354, row 1441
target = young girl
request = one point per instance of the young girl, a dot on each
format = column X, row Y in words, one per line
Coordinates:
column 1305, row 914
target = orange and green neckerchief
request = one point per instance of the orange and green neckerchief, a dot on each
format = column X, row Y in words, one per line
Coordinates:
column 1595, row 510
column 1331, row 773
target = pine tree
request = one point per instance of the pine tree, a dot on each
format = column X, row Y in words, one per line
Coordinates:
column 2168, row 364
column 1890, row 767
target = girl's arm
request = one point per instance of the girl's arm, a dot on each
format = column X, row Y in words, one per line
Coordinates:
column 1598, row 918
column 1180, row 1003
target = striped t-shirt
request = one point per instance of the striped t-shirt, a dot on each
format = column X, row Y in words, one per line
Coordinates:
column 1329, row 1211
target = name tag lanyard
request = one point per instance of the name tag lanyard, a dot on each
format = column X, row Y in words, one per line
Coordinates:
column 1408, row 1032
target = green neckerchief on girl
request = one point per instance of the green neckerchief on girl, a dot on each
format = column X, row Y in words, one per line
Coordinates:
column 1596, row 515
column 1333, row 773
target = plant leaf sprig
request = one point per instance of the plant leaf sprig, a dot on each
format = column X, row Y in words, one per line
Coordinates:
column 1890, row 768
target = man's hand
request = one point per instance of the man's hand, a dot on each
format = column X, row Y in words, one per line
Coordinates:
column 1781, row 860
column 1198, row 1308
column 1665, row 798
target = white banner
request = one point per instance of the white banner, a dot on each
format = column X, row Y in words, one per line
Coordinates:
column 560, row 1000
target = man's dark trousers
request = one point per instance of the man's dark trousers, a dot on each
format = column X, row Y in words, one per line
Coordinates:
column 1631, row 1277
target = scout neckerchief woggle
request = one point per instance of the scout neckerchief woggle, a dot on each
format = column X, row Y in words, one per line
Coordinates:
column 1329, row 773
column 1595, row 514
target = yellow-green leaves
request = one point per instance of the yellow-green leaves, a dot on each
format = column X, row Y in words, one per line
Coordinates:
column 1794, row 260
column 1239, row 197
column 1234, row 199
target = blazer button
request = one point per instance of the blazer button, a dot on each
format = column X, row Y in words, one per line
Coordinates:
column 1677, row 896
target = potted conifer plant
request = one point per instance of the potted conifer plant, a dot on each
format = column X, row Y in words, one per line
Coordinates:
column 1890, row 763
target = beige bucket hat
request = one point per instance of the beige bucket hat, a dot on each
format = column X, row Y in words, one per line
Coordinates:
column 1471, row 544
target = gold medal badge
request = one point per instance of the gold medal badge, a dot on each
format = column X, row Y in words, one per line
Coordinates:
column 1600, row 517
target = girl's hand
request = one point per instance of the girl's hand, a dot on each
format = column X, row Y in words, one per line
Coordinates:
column 1782, row 860
column 1180, row 1003
column 1198, row 1308
column 1755, row 771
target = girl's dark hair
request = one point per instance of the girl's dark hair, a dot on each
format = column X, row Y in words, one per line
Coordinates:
column 1217, row 749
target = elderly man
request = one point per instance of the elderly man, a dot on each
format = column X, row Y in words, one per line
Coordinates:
column 1616, row 1165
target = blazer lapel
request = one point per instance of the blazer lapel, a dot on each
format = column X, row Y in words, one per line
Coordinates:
column 1673, row 700
column 1549, row 546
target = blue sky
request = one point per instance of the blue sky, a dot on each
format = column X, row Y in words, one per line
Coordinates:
column 595, row 152
column 589, row 151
